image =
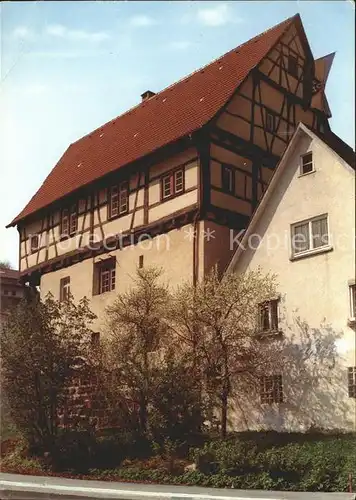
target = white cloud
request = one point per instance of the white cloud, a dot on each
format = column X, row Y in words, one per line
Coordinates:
column 141, row 21
column 22, row 32
column 60, row 31
column 216, row 16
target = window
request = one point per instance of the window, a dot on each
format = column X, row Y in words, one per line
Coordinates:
column 351, row 379
column 73, row 219
column 34, row 242
column 13, row 293
column 227, row 179
column 293, row 66
column 95, row 339
column 271, row 389
column 268, row 316
column 106, row 275
column 65, row 222
column 172, row 184
column 310, row 235
column 306, row 164
column 352, row 291
column 69, row 221
column 140, row 262
column 270, row 122
column 64, row 288
column 119, row 200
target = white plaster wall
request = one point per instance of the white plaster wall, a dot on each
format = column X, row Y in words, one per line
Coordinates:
column 173, row 252
column 313, row 288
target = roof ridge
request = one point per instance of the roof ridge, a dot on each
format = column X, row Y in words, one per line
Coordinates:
column 186, row 77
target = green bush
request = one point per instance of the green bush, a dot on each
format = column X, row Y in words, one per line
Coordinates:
column 312, row 465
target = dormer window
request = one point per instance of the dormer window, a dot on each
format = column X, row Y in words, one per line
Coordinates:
column 119, row 200
column 306, row 163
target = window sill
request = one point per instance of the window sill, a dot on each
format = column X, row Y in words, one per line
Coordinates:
column 307, row 173
column 67, row 236
column 269, row 333
column 310, row 253
column 172, row 196
column 113, row 217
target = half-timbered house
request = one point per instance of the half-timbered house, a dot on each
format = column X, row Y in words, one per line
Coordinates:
column 166, row 182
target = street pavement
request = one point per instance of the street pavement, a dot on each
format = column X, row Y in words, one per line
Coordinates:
column 19, row 487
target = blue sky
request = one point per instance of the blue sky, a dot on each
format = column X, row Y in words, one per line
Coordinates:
column 68, row 67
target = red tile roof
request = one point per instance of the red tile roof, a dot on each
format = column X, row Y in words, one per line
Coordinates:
column 170, row 115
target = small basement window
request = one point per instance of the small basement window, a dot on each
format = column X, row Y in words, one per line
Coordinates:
column 306, row 163
column 271, row 389
column 95, row 339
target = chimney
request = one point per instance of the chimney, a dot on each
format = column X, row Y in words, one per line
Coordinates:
column 146, row 95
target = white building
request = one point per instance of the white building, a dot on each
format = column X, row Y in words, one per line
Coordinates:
column 304, row 232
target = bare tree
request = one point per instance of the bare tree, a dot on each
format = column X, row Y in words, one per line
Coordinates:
column 41, row 344
column 217, row 322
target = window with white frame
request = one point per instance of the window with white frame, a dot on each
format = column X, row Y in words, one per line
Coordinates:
column 119, row 200
column 352, row 293
column 172, row 184
column 268, row 316
column 351, row 381
column 306, row 163
column 69, row 220
column 104, row 276
column 271, row 389
column 73, row 219
column 308, row 235
column 65, row 222
column 64, row 289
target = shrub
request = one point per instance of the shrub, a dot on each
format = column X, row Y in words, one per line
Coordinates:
column 312, row 465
